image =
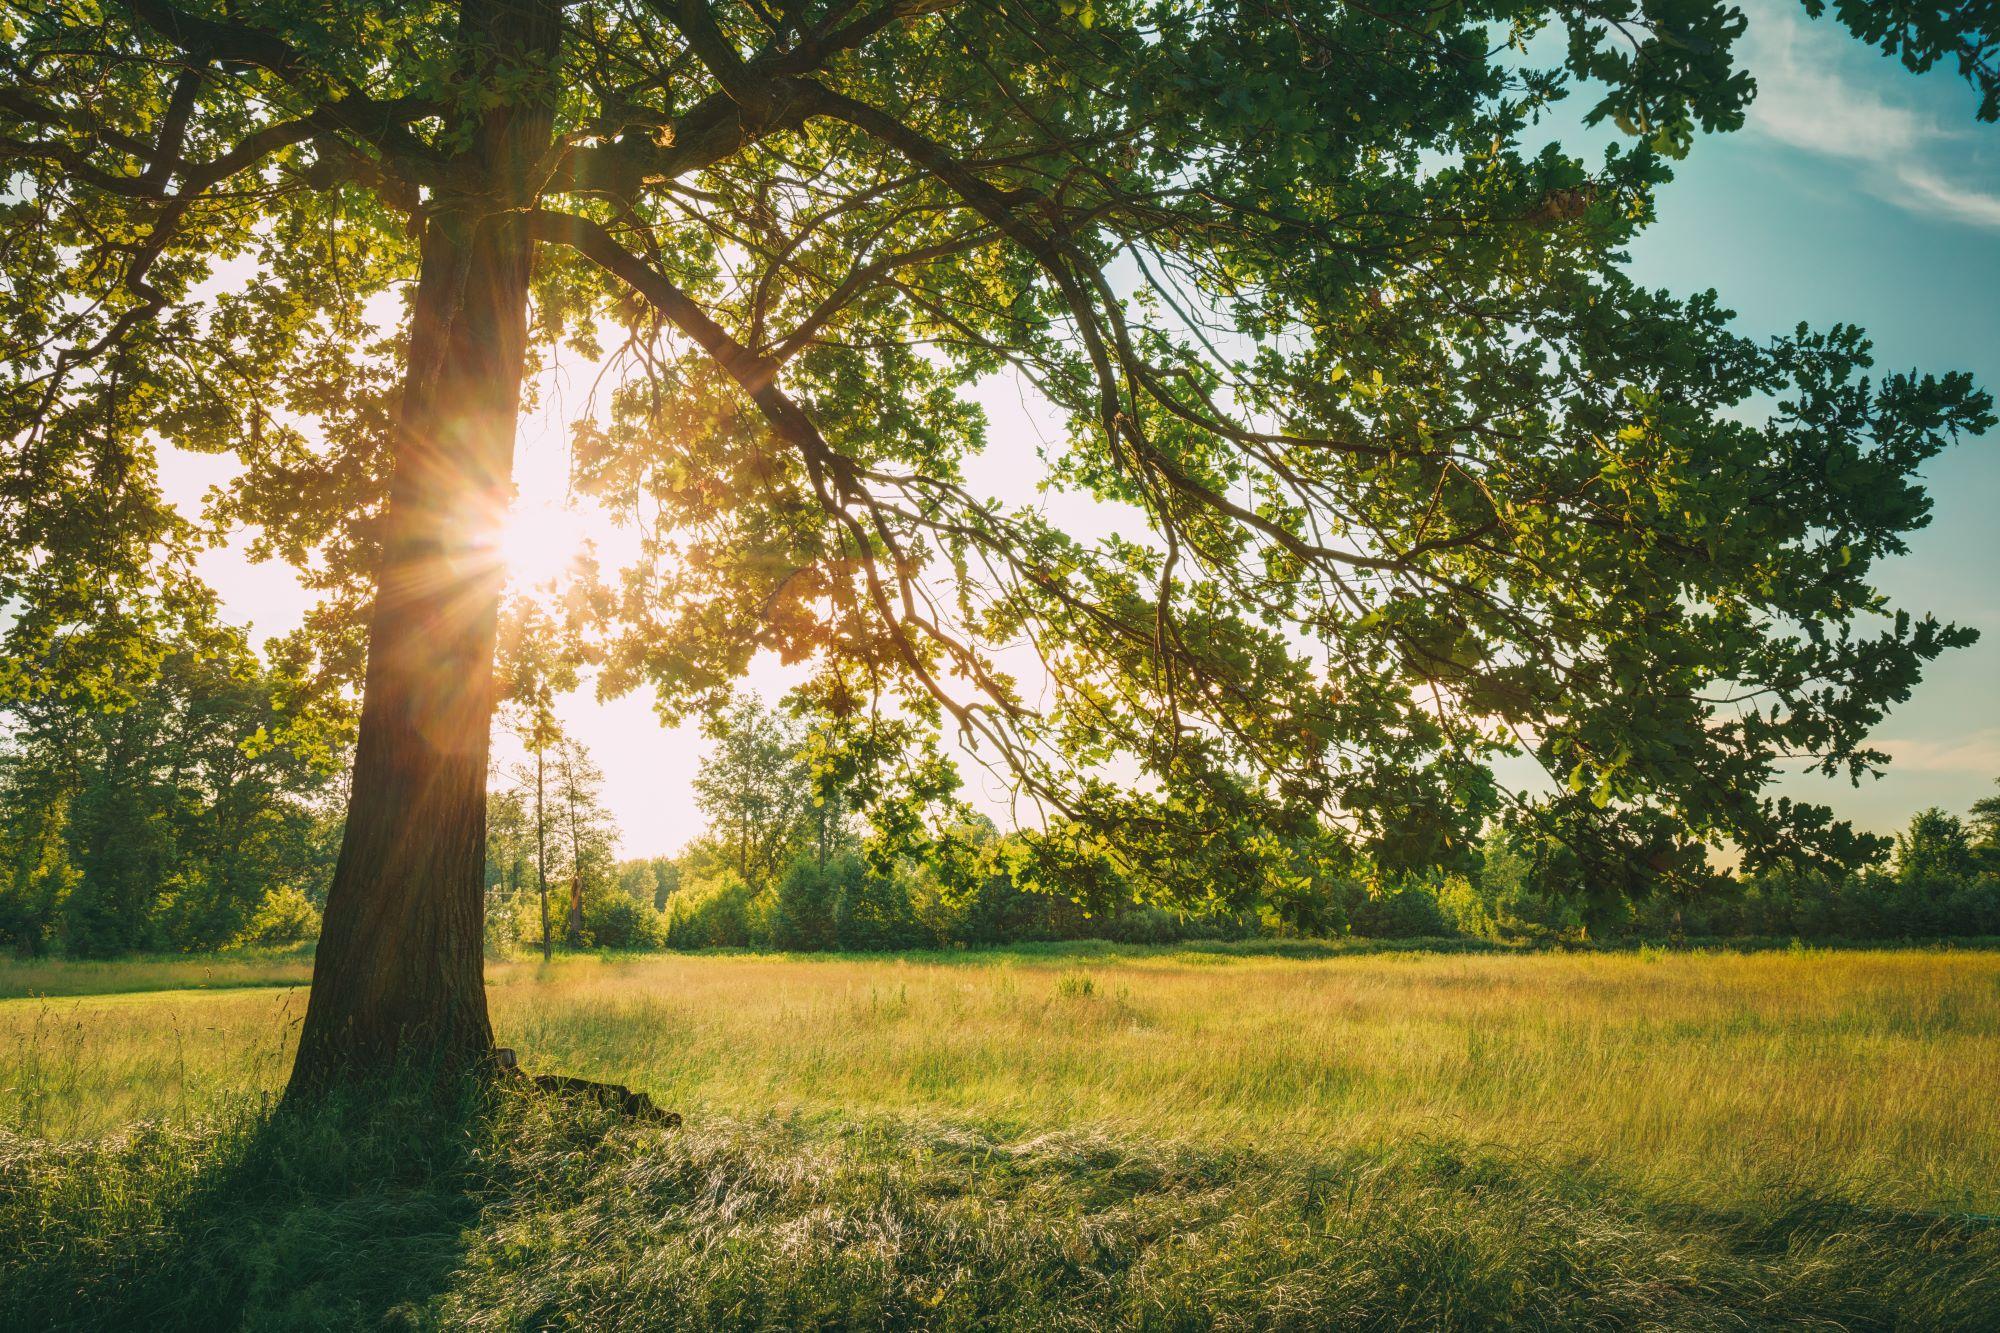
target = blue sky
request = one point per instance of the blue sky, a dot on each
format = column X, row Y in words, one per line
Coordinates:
column 1862, row 194
column 1858, row 193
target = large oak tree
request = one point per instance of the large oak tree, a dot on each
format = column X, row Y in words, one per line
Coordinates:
column 1412, row 475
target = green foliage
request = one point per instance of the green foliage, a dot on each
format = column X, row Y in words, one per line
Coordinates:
column 874, row 911
column 614, row 921
column 513, row 909
column 1941, row 888
column 547, row 831
column 172, row 821
column 808, row 897
column 1937, row 847
column 1408, row 912
column 1522, row 889
column 766, row 803
column 285, row 919
column 712, row 910
column 1922, row 32
column 653, row 880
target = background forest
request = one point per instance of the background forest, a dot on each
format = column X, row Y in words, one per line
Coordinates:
column 205, row 814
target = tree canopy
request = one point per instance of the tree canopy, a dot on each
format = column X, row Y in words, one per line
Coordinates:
column 1411, row 474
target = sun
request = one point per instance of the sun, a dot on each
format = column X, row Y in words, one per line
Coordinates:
column 540, row 540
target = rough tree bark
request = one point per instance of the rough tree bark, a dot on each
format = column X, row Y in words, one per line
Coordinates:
column 398, row 978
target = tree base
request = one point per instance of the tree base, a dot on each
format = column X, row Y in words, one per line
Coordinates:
column 613, row 1096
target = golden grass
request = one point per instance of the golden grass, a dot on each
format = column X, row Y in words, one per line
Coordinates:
column 1865, row 1076
column 23, row 978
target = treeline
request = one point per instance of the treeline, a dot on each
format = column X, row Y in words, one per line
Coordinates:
column 1940, row 881
column 781, row 868
column 1943, row 882
column 196, row 811
column 202, row 812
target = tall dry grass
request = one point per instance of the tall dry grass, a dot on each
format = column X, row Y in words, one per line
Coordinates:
column 1861, row 1076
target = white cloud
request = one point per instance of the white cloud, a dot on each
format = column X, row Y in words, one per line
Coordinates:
column 1974, row 206
column 1805, row 100
column 1975, row 752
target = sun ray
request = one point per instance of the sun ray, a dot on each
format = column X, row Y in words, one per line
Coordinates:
column 540, row 541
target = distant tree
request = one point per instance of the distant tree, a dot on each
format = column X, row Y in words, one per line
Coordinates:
column 1983, row 823
column 651, row 880
column 39, row 871
column 166, row 822
column 533, row 668
column 807, row 904
column 871, row 910
column 1936, row 848
column 755, row 790
column 510, row 843
column 510, row 860
column 585, row 832
column 712, row 907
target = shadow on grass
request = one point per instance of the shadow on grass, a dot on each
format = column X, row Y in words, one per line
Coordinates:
column 538, row 1212
column 346, row 1216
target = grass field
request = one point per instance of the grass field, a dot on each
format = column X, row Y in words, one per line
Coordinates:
column 1069, row 1139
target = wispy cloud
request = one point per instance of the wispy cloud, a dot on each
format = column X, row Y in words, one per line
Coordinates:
column 1975, row 752
column 1901, row 155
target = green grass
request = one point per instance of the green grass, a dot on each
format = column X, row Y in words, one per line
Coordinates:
column 22, row 979
column 1155, row 1138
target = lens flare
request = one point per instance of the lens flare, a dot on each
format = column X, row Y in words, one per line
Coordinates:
column 540, row 541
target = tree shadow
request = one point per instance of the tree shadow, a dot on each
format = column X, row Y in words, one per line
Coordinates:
column 350, row 1214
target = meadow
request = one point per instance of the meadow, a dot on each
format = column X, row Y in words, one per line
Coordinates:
column 1083, row 1136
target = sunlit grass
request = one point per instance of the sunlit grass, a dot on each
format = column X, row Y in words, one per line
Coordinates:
column 1860, row 1076
column 24, row 978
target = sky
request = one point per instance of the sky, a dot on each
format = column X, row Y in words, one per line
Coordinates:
column 1858, row 193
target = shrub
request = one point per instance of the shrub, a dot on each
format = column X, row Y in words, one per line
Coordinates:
column 710, row 912
column 804, row 903
column 286, row 918
column 1144, row 925
column 614, row 921
column 1407, row 913
column 872, row 912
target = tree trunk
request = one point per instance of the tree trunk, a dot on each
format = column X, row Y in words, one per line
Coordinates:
column 542, row 855
column 575, row 925
column 397, row 982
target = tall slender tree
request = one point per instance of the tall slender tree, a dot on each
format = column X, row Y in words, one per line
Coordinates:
column 1417, row 476
column 588, row 832
column 755, row 790
column 533, row 669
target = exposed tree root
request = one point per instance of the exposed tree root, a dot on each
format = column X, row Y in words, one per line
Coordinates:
column 616, row 1096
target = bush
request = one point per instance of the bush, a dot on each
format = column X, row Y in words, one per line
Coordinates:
column 31, row 898
column 285, row 919
column 802, row 913
column 614, row 921
column 711, row 912
column 873, row 912
column 1408, row 913
column 1003, row 912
